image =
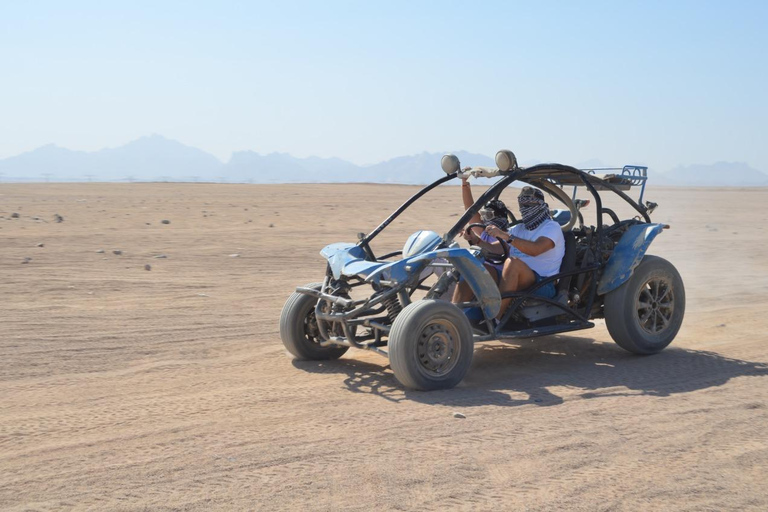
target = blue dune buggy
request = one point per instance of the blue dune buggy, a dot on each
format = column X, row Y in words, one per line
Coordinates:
column 407, row 315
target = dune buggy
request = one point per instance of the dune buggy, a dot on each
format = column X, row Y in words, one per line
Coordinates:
column 408, row 315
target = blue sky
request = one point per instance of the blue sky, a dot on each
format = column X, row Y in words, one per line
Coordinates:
column 657, row 83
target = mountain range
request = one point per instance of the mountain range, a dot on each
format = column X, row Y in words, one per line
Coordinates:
column 156, row 158
column 720, row 174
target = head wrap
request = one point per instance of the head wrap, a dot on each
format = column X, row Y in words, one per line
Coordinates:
column 533, row 209
column 499, row 212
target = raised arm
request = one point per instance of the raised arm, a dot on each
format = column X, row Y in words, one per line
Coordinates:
column 466, row 196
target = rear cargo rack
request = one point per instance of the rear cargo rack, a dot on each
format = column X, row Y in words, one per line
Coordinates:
column 623, row 178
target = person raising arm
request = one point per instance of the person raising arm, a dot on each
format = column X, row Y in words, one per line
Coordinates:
column 492, row 214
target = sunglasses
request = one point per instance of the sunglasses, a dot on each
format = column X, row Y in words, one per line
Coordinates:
column 487, row 214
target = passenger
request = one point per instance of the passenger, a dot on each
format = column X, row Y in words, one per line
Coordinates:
column 492, row 214
column 536, row 247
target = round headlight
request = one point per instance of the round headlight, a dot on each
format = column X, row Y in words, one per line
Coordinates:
column 505, row 160
column 450, row 164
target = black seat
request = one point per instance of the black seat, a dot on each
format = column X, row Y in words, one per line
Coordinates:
column 568, row 264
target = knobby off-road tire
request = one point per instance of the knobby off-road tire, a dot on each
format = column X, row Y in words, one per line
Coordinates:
column 299, row 331
column 430, row 345
column 644, row 314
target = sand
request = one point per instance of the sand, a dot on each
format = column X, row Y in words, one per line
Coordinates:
column 169, row 389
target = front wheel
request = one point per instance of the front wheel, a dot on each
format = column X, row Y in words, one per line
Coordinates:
column 430, row 345
column 644, row 314
column 299, row 330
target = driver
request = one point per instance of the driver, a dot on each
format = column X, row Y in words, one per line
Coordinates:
column 536, row 247
column 492, row 214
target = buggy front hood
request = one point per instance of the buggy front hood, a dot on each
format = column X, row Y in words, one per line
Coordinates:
column 349, row 260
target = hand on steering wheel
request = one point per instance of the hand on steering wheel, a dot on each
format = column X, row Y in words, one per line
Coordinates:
column 495, row 231
column 470, row 236
column 469, row 233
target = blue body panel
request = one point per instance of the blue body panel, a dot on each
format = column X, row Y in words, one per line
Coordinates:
column 469, row 266
column 361, row 267
column 627, row 255
column 340, row 254
column 349, row 260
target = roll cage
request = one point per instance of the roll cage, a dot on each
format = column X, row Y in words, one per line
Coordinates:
column 574, row 308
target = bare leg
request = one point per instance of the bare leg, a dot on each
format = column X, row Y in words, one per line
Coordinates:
column 463, row 293
column 515, row 276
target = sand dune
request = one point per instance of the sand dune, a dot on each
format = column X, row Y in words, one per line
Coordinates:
column 128, row 389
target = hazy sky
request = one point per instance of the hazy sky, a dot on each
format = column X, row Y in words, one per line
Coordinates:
column 660, row 83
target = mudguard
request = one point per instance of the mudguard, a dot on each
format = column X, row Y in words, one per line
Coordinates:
column 472, row 269
column 627, row 255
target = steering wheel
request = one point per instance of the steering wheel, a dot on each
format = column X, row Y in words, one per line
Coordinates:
column 493, row 258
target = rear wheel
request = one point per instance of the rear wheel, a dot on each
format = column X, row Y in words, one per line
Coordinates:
column 299, row 330
column 430, row 345
column 644, row 314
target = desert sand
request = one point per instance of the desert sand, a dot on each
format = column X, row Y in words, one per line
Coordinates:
column 169, row 389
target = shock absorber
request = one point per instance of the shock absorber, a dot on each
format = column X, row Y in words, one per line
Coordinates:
column 442, row 285
column 393, row 307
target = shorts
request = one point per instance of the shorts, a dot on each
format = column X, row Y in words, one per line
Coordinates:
column 547, row 291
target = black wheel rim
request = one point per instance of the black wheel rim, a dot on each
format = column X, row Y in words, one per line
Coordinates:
column 655, row 305
column 438, row 348
column 311, row 330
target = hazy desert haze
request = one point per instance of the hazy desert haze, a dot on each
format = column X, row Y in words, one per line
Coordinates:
column 159, row 159
column 169, row 389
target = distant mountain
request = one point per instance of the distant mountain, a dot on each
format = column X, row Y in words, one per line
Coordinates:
column 248, row 166
column 147, row 158
column 156, row 158
column 251, row 167
column 421, row 168
column 46, row 160
column 720, row 174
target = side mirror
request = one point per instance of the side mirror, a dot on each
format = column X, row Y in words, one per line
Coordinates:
column 506, row 160
column 450, row 164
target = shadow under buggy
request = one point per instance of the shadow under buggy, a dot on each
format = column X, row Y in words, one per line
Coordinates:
column 605, row 273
